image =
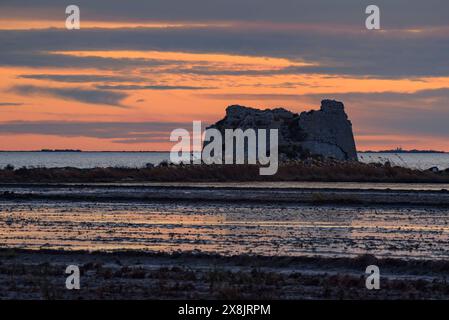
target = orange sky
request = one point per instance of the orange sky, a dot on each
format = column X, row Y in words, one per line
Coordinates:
column 158, row 93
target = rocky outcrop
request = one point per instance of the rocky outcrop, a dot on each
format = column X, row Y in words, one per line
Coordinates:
column 329, row 132
column 326, row 132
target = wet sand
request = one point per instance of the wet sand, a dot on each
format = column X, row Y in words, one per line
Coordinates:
column 223, row 242
column 232, row 228
column 340, row 193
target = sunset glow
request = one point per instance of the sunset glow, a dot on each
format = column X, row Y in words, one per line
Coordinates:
column 156, row 74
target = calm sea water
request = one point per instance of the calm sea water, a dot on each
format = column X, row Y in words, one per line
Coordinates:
column 81, row 159
column 140, row 159
column 420, row 161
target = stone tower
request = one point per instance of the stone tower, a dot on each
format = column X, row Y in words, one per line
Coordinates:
column 326, row 132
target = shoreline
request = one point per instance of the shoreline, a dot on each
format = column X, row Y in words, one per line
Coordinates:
column 248, row 184
column 235, row 194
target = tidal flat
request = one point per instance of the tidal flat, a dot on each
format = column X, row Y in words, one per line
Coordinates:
column 226, row 229
column 203, row 242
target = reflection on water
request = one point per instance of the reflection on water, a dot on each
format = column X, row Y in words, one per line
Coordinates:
column 233, row 229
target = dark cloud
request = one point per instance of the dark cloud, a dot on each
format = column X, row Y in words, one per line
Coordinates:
column 10, row 104
column 80, row 78
column 150, row 87
column 119, row 132
column 25, row 55
column 398, row 13
column 77, row 94
column 361, row 53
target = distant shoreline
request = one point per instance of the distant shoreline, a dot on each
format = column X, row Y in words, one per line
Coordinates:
column 403, row 151
column 82, row 151
column 167, row 151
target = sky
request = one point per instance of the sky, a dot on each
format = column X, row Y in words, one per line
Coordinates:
column 136, row 70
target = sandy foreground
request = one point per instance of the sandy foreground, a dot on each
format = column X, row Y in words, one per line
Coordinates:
column 233, row 242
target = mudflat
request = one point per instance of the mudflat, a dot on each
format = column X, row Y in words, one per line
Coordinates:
column 200, row 241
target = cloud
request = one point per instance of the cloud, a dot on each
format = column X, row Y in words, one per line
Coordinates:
column 398, row 13
column 77, row 94
column 10, row 104
column 362, row 53
column 150, row 87
column 34, row 54
column 119, row 132
column 80, row 78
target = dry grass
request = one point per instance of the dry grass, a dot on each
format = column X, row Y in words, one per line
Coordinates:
column 331, row 171
column 39, row 275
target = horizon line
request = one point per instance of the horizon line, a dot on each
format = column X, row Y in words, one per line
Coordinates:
column 168, row 151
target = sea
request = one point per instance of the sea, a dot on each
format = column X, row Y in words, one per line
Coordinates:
column 421, row 161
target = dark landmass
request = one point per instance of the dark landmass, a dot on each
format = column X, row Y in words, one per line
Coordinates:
column 28, row 274
column 76, row 150
column 403, row 151
column 60, row 150
column 328, row 170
